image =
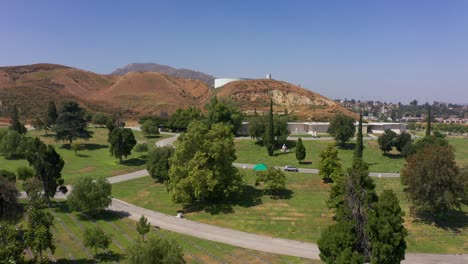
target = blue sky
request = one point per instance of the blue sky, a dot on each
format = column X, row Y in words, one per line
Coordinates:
column 381, row 50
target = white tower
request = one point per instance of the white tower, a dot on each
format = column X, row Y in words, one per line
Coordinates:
column 268, row 76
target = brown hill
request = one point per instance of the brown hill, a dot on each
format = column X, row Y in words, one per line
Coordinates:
column 253, row 95
column 135, row 94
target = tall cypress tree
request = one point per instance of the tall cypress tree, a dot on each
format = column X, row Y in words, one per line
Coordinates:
column 300, row 150
column 16, row 125
column 270, row 138
column 428, row 125
column 359, row 143
column 51, row 114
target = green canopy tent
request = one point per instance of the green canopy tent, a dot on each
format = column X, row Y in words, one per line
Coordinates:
column 260, row 167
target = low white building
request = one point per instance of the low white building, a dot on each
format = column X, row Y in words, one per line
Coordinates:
column 223, row 81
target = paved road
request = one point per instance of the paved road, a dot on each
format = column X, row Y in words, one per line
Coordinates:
column 311, row 138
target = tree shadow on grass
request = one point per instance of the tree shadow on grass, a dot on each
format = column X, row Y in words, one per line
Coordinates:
column 455, row 220
column 109, row 256
column 305, row 162
column 282, row 195
column 347, row 146
column 105, row 215
column 87, row 146
column 393, row 156
column 78, row 261
column 82, row 155
column 250, row 196
column 134, row 162
column 153, row 136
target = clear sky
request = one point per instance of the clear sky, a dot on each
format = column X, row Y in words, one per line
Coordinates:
column 382, row 50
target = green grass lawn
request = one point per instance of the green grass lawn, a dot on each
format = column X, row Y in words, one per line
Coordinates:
column 303, row 216
column 93, row 160
column 249, row 152
column 69, row 229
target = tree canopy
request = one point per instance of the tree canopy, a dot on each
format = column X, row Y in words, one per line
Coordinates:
column 224, row 111
column 201, row 168
column 90, row 195
column 121, row 142
column 96, row 238
column 300, row 150
column 8, row 197
column 143, row 227
column 16, row 125
column 150, row 127
column 183, row 117
column 342, row 128
column 70, row 126
column 386, row 140
column 273, row 180
column 158, row 162
column 358, row 151
column 329, row 164
column 155, row 251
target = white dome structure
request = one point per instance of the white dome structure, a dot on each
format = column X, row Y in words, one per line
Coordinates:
column 223, row 81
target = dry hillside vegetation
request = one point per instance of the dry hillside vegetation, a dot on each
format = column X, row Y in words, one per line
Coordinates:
column 31, row 87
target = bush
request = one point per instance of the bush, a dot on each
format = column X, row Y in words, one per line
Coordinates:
column 24, row 172
column 273, row 180
column 143, row 147
column 155, row 251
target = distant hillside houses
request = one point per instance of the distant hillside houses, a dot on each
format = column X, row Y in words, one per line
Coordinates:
column 315, row 128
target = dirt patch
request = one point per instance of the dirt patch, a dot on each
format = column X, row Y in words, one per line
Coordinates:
column 87, row 169
column 284, row 218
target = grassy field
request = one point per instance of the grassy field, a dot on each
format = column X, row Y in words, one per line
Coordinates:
column 302, row 216
column 93, row 160
column 69, row 229
column 249, row 152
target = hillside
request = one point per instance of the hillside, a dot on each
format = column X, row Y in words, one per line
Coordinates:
column 253, row 95
column 153, row 67
column 135, row 94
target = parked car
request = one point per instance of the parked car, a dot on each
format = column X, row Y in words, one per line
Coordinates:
column 290, row 168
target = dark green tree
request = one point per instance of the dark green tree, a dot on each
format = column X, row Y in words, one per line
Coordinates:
column 51, row 114
column 258, row 129
column 201, row 168
column 402, row 140
column 16, row 125
column 342, row 128
column 269, row 138
column 10, row 176
column 224, row 111
column 96, row 238
column 273, row 181
column 38, row 124
column 387, row 140
column 142, row 147
column 121, row 142
column 90, row 196
column 11, row 244
column 24, row 173
column 359, row 139
column 47, row 165
column 432, row 181
column 386, row 230
column 143, row 227
column 100, row 119
column 428, row 122
column 8, row 197
column 300, row 150
column 150, row 127
column 70, row 126
column 158, row 162
column 155, row 251
column 10, row 144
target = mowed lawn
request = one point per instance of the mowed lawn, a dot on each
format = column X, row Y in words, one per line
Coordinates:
column 249, row 152
column 69, row 229
column 303, row 216
column 93, row 160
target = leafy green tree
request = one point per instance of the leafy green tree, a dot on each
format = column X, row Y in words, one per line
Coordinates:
column 329, row 164
column 143, row 227
column 38, row 236
column 143, row 147
column 201, row 168
column 150, row 127
column 300, row 150
column 70, row 126
column 386, row 229
column 24, row 173
column 51, row 114
column 16, row 125
column 11, row 244
column 10, row 144
column 183, row 117
column 90, row 195
column 155, row 251
column 121, row 142
column 359, row 139
column 386, row 141
column 158, row 163
column 96, row 238
column 258, row 127
column 432, row 181
column 402, row 140
column 342, row 128
column 8, row 197
column 100, row 119
column 273, row 180
column 427, row 141
column 47, row 165
column 224, row 111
